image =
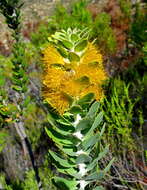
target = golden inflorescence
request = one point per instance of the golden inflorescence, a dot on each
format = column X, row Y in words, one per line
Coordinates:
column 62, row 80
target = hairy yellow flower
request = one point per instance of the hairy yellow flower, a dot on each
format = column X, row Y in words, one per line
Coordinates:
column 52, row 56
column 73, row 88
column 52, row 77
column 62, row 80
column 95, row 89
column 57, row 100
column 92, row 55
column 94, row 73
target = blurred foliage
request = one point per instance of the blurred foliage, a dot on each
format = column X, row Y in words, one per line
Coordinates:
column 5, row 69
column 29, row 182
column 5, row 108
column 34, row 117
column 3, row 136
column 136, row 73
column 126, row 6
column 138, row 28
column 144, row 49
column 11, row 11
column 46, row 175
column 103, row 33
column 3, row 183
column 39, row 37
column 78, row 17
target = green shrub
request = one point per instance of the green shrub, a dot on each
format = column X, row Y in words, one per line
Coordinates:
column 102, row 31
column 4, row 184
column 138, row 27
column 78, row 17
column 125, row 6
column 118, row 109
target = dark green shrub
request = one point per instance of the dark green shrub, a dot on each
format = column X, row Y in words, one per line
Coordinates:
column 102, row 31
column 138, row 28
column 119, row 112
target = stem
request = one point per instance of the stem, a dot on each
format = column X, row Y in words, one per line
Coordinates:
column 81, row 167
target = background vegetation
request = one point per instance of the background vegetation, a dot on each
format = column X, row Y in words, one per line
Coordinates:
column 119, row 29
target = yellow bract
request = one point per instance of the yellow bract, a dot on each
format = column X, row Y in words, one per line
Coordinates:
column 73, row 79
column 92, row 55
column 52, row 77
column 52, row 56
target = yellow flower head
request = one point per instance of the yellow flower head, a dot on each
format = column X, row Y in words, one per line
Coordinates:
column 52, row 77
column 72, row 79
column 51, row 57
column 92, row 55
column 57, row 100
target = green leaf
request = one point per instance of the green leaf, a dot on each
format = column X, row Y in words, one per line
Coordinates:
column 90, row 142
column 64, row 170
column 3, row 136
column 99, row 188
column 27, row 101
column 84, row 124
column 63, row 131
column 83, row 80
column 65, row 184
column 64, row 121
column 57, row 137
column 73, row 57
column 21, row 72
column 69, row 98
column 24, row 88
column 65, row 125
column 67, row 44
column 95, row 176
column 86, row 99
column 74, row 37
column 62, row 51
column 93, row 109
column 71, row 171
column 96, row 123
column 2, row 81
column 76, row 109
column 95, row 161
column 61, row 161
column 51, row 120
column 81, row 46
column 62, row 139
column 69, row 150
column 70, row 129
column 102, row 131
column 57, row 36
column 83, row 158
column 17, row 88
column 109, row 165
column 95, row 63
column 84, row 33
